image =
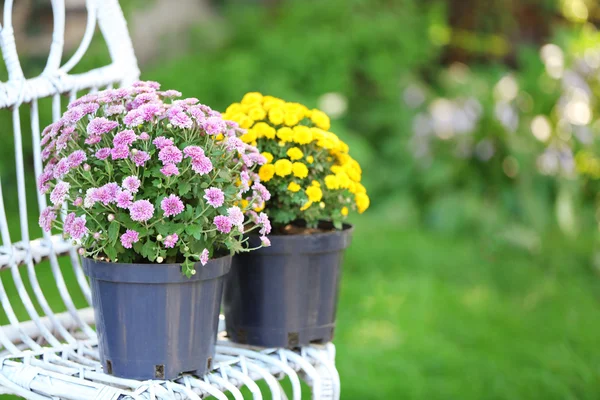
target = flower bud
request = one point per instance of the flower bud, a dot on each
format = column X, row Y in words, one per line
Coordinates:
column 134, row 151
column 186, row 248
column 81, row 251
column 322, row 205
column 193, row 272
column 159, row 238
column 159, row 259
column 111, row 217
column 97, row 235
column 169, row 126
column 86, row 167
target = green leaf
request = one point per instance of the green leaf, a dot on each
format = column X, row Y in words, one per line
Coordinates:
column 148, row 250
column 111, row 252
column 113, row 232
column 184, row 188
column 194, row 230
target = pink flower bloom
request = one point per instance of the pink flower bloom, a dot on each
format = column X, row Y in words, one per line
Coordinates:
column 162, row 141
column 169, row 169
column 133, row 118
column 204, row 257
column 140, row 157
column 46, row 218
column 61, row 169
column 213, row 125
column 103, row 153
column 59, row 193
column 129, row 238
column 144, row 98
column 106, row 194
column 171, row 93
column 73, row 115
column 147, row 84
column 171, row 240
column 124, row 198
column 132, row 183
column 263, row 220
column 171, row 205
column 197, row 113
column 90, row 108
column 265, row 241
column 75, row 226
column 261, row 192
column 193, row 152
column 149, row 111
column 124, row 138
column 170, row 155
column 233, row 143
column 76, row 158
column 78, row 202
column 43, row 180
column 214, row 197
column 202, row 165
column 115, row 109
column 180, row 120
column 236, row 216
column 144, row 136
column 141, row 210
column 101, row 125
column 87, row 98
column 120, row 153
column 90, row 198
column 92, row 140
column 222, row 223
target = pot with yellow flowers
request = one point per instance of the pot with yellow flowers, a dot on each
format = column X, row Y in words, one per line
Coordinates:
column 285, row 293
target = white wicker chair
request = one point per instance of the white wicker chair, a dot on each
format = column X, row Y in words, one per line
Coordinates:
column 55, row 354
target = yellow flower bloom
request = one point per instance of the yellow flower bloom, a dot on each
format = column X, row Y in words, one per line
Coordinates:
column 291, row 118
column 276, row 116
column 320, row 119
column 266, row 172
column 362, row 202
column 249, row 136
column 257, row 113
column 244, row 203
column 283, row 167
column 344, row 211
column 264, row 130
column 317, row 133
column 285, row 134
column 219, row 137
column 293, row 187
column 268, row 156
column 332, row 182
column 314, row 193
column 343, row 180
column 270, row 102
column 306, row 205
column 294, row 153
column 302, row 135
column 252, row 98
column 260, row 208
column 336, row 168
column 310, row 159
column 315, row 183
column 246, row 122
column 360, row 188
column 234, row 109
column 300, row 170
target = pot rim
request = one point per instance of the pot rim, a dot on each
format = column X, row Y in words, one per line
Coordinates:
column 347, row 228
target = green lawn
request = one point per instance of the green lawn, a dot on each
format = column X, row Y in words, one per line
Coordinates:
column 426, row 316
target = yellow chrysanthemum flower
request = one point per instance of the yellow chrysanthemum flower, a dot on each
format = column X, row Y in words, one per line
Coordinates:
column 344, row 211
column 244, row 203
column 310, row 159
column 320, row 119
column 332, row 182
column 252, row 98
column 249, row 136
column 257, row 113
column 315, row 183
column 293, row 187
column 362, row 202
column 283, row 167
column 276, row 115
column 270, row 102
column 300, row 170
column 294, row 153
column 264, row 130
column 234, row 109
column 260, row 208
column 302, row 134
column 314, row 193
column 291, row 118
column 343, row 179
column 285, row 134
column 360, row 188
column 306, row 206
column 266, row 172
column 268, row 156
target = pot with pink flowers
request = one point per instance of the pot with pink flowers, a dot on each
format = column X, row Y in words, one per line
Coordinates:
column 151, row 185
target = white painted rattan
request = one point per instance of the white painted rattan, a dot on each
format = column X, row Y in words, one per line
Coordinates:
column 55, row 355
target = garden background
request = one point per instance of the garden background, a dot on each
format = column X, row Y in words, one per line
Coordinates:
column 475, row 273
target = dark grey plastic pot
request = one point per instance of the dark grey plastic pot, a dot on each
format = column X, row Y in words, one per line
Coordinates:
column 285, row 295
column 153, row 322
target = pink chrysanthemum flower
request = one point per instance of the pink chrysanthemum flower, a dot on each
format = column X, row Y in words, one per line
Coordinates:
column 115, row 109
column 144, row 136
column 129, row 238
column 169, row 170
column 43, row 181
column 61, row 168
column 222, row 223
column 171, row 93
column 214, row 197
column 265, row 241
column 171, row 240
column 76, row 158
column 92, row 140
column 124, row 138
column 106, row 194
column 124, row 198
column 73, row 115
column 149, row 111
column 193, row 152
column 197, row 113
column 204, row 257
column 119, row 153
column 213, row 125
column 261, row 192
column 133, row 118
column 101, row 125
column 171, row 205
column 103, row 153
column 90, row 108
column 236, row 216
column 90, row 198
column 170, row 155
column 263, row 221
column 59, row 193
column 233, row 143
column 161, row 142
column 75, row 227
column 132, row 183
column 202, row 165
column 46, row 218
column 180, row 120
column 140, row 157
column 141, row 210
